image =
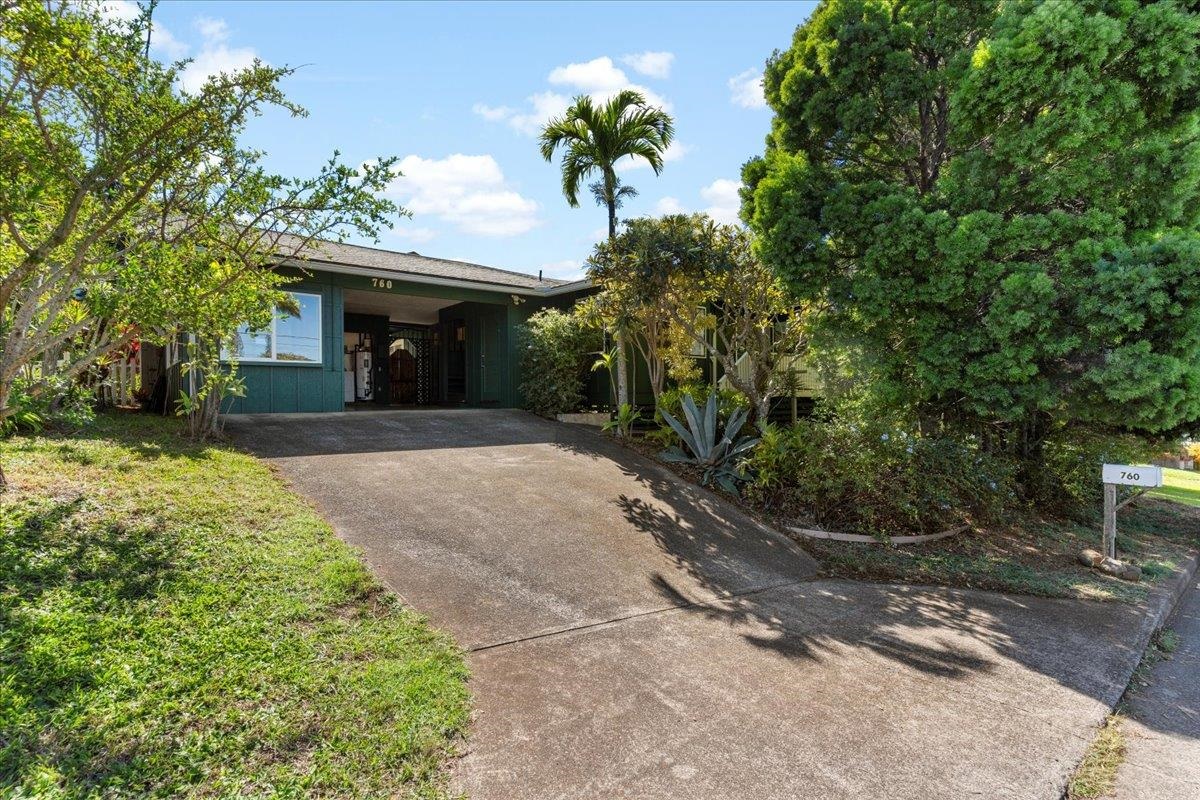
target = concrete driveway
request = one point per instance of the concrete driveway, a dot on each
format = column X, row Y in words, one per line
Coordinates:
column 632, row 636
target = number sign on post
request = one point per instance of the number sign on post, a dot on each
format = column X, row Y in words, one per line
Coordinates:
column 1115, row 475
column 1125, row 475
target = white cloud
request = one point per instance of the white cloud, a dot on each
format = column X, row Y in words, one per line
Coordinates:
column 567, row 270
column 215, row 56
column 492, row 114
column 415, row 235
column 160, row 38
column 600, row 78
column 595, row 76
column 469, row 192
column 123, row 10
column 669, row 205
column 544, row 105
column 163, row 41
column 212, row 29
column 651, row 63
column 675, row 151
column 723, row 200
column 746, row 89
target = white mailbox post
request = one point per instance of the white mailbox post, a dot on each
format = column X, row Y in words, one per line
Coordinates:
column 1115, row 475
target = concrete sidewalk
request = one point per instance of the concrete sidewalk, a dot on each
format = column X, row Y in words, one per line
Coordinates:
column 1162, row 729
column 633, row 636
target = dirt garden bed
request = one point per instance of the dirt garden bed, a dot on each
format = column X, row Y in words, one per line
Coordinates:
column 1033, row 555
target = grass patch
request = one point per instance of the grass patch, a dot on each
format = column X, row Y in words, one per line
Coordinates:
column 1167, row 640
column 175, row 622
column 1181, row 486
column 1163, row 643
column 1096, row 775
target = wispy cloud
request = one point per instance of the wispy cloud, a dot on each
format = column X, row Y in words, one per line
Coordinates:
column 215, row 56
column 653, row 64
column 567, row 269
column 600, row 78
column 746, row 89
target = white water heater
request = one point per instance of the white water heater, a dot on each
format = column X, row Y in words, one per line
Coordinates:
column 364, row 388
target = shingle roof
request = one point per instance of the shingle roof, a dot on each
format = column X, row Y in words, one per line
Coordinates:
column 413, row 263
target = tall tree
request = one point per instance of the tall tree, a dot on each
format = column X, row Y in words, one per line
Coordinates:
column 127, row 208
column 992, row 208
column 593, row 139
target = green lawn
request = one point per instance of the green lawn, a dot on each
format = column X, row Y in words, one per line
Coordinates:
column 175, row 622
column 1181, row 486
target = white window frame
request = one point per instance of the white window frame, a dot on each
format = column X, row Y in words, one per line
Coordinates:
column 320, row 360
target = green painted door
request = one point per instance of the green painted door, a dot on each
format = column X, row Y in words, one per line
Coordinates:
column 491, row 357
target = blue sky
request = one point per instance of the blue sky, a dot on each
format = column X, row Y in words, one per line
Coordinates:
column 457, row 92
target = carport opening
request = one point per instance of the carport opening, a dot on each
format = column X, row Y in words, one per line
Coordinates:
column 394, row 353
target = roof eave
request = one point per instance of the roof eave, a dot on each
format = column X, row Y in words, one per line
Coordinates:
column 567, row 288
column 412, row 277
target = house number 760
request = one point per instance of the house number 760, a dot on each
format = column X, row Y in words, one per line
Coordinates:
column 381, row 283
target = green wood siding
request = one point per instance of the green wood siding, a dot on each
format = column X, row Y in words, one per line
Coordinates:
column 286, row 388
column 493, row 358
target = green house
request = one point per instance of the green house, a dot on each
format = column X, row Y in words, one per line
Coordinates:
column 382, row 328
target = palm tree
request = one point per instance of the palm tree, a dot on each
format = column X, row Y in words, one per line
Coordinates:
column 594, row 138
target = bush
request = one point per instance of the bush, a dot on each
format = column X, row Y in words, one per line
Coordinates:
column 1070, row 481
column 556, row 353
column 65, row 404
column 870, row 478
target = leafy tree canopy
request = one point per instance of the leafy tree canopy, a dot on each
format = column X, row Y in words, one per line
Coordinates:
column 683, row 282
column 128, row 208
column 991, row 208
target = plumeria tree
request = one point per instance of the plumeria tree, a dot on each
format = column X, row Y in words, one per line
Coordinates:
column 128, row 208
column 703, row 284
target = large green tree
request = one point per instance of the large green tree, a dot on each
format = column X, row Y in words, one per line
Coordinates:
column 127, row 207
column 992, row 208
column 593, row 138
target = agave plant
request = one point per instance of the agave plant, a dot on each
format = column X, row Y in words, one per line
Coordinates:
column 707, row 447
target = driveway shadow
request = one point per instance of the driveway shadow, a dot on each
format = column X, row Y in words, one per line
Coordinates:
column 1088, row 647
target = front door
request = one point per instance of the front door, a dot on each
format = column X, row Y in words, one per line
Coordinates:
column 491, row 356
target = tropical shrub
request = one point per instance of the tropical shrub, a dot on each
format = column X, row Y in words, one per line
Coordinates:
column 68, row 404
column 624, row 420
column 556, row 353
column 716, row 453
column 857, row 477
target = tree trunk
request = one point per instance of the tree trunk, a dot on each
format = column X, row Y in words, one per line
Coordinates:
column 619, row 336
column 762, row 410
column 4, row 393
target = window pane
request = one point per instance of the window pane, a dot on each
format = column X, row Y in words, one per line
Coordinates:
column 298, row 336
column 249, row 344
